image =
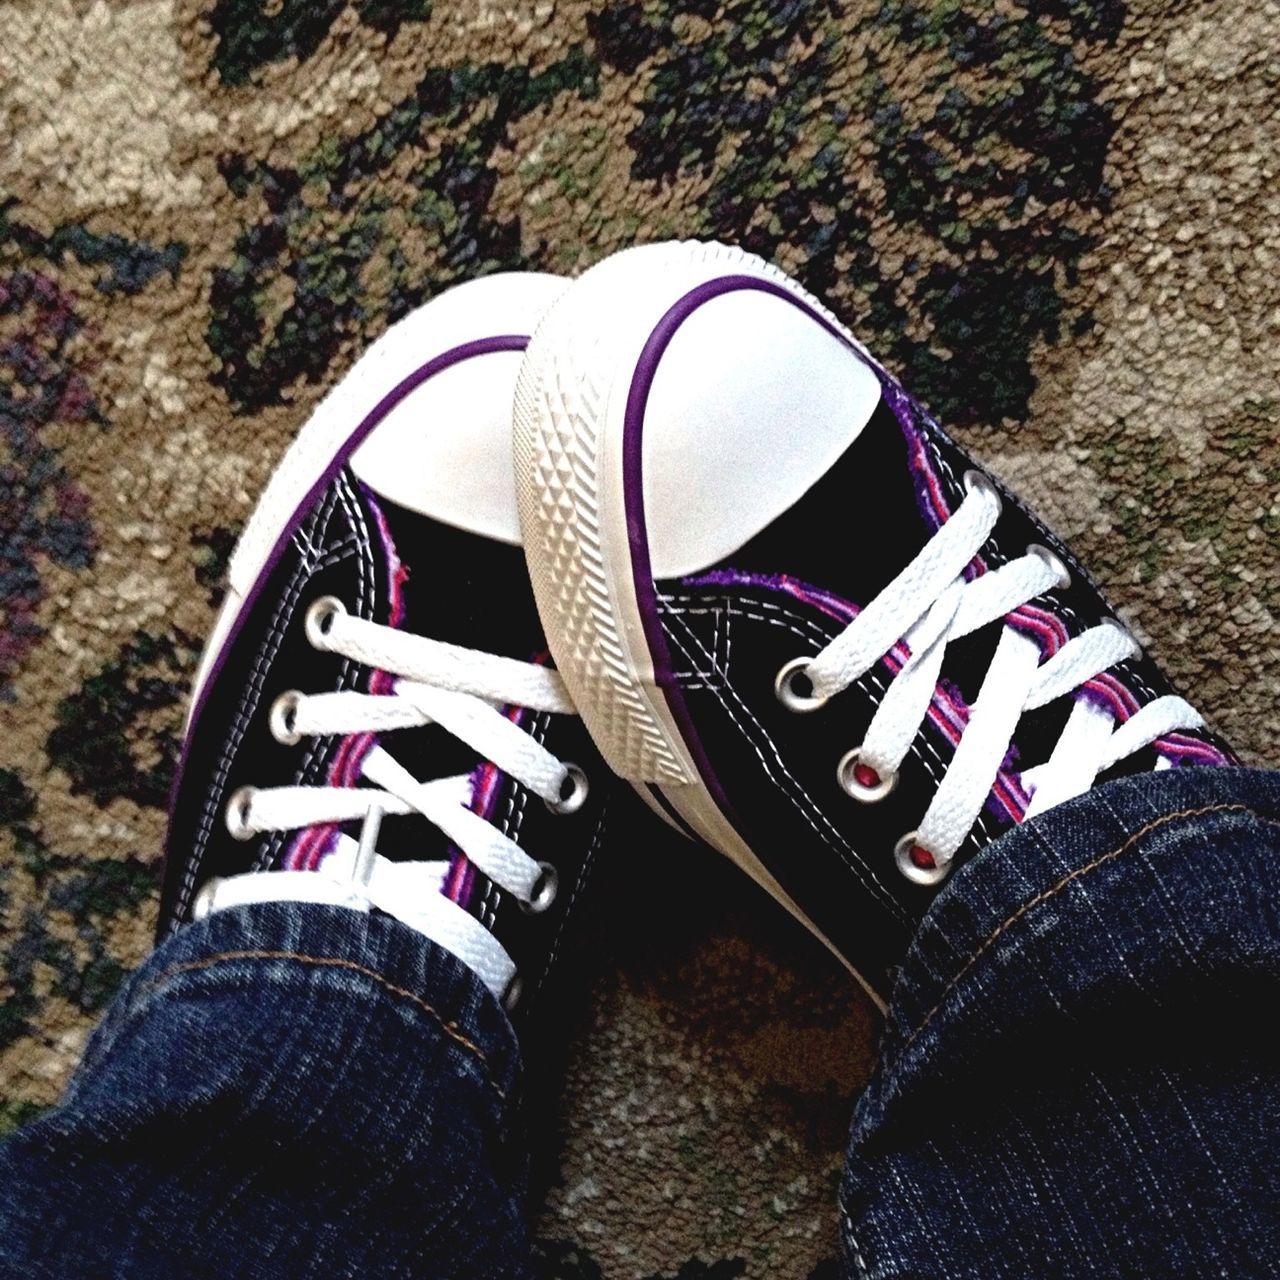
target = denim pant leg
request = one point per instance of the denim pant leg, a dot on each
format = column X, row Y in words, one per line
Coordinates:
column 1081, row 1071
column 281, row 1092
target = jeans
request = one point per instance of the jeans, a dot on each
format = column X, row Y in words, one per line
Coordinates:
column 1079, row 1077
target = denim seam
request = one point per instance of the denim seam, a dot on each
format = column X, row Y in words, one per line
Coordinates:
column 1043, row 897
column 854, row 1248
column 332, row 962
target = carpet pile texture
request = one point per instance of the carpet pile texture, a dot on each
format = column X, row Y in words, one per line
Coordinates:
column 1059, row 221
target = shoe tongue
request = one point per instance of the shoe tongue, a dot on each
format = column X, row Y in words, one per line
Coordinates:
column 460, row 587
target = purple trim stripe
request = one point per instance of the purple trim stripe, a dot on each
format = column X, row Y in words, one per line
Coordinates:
column 633, row 502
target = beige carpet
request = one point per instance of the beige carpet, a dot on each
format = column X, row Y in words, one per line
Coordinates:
column 1060, row 222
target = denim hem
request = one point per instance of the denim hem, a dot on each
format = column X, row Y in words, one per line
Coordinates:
column 360, row 955
column 1078, row 1072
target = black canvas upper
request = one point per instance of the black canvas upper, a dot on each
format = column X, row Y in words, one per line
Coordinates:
column 454, row 586
column 731, row 629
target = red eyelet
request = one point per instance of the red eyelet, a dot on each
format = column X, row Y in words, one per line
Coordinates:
column 866, row 776
column 922, row 858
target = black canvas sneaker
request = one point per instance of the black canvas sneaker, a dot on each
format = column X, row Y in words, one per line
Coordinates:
column 814, row 631
column 376, row 723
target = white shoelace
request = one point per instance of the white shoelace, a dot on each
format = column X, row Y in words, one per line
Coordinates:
column 928, row 605
column 462, row 691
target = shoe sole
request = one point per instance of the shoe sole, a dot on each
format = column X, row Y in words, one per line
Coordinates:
column 577, row 423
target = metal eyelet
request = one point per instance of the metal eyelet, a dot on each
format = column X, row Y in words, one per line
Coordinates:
column 1054, row 562
column 979, row 482
column 203, row 903
column 911, row 869
column 573, row 792
column 511, row 996
column 846, row 772
column 791, row 697
column 284, row 718
column 321, row 615
column 544, row 890
column 238, row 809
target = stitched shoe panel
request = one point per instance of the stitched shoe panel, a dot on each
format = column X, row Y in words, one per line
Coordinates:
column 377, row 723
column 836, row 648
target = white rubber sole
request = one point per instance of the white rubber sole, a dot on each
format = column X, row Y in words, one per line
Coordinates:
column 578, row 523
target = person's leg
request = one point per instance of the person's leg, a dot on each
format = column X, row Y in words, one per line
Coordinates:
column 286, row 1091
column 1080, row 1071
column 383, row 821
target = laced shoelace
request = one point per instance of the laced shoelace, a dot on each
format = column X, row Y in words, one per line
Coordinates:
column 462, row 691
column 928, row 605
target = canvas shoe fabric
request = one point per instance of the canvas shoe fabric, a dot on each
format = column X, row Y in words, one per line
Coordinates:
column 376, row 723
column 809, row 627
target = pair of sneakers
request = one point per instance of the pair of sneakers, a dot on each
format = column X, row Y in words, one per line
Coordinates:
column 670, row 523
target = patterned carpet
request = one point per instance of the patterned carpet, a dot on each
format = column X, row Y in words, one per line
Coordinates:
column 1060, row 221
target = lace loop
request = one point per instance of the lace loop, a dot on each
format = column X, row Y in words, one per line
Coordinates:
column 462, row 691
column 928, row 605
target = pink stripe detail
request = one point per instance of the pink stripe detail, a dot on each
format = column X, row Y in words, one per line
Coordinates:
column 1183, row 749
column 1045, row 628
column 929, row 494
column 1111, row 695
column 312, row 845
column 486, row 783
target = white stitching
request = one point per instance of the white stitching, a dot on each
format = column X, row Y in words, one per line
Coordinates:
column 512, row 821
column 358, row 541
column 252, row 691
column 922, row 747
column 746, row 613
column 798, row 795
column 858, row 1260
column 740, row 606
column 695, row 678
column 583, row 876
column 302, row 573
column 875, row 678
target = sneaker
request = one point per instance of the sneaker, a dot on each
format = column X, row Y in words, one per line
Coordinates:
column 809, row 627
column 375, row 721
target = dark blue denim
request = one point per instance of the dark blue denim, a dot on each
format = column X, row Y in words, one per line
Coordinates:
column 1080, row 1075
column 1079, row 1078
column 280, row 1091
